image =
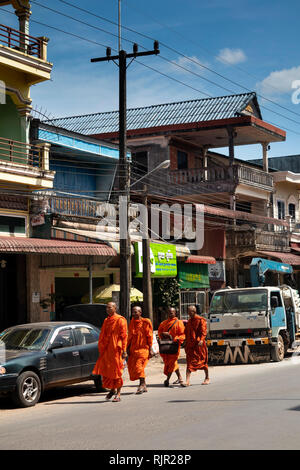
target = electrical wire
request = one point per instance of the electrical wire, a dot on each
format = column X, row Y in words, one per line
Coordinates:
column 178, row 53
column 180, row 66
column 150, row 68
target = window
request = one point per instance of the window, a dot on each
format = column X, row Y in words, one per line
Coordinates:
column 85, row 335
column 292, row 211
column 281, row 209
column 66, row 337
column 182, row 160
column 239, row 301
column 13, row 225
column 278, row 296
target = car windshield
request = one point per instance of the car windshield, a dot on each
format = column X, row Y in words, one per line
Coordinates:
column 242, row 301
column 24, row 338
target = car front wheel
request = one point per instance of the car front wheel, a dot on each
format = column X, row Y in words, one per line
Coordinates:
column 28, row 389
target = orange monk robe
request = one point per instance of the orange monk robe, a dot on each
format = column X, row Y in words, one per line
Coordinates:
column 140, row 337
column 177, row 333
column 196, row 356
column 112, row 344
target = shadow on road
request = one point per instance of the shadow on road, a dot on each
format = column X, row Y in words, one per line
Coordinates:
column 58, row 393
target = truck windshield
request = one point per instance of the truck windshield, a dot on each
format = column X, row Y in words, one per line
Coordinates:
column 240, row 301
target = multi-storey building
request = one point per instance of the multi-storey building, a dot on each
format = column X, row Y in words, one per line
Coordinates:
column 27, row 277
column 237, row 194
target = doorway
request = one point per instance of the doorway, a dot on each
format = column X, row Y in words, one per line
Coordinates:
column 13, row 309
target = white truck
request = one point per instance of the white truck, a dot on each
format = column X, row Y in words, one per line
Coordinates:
column 252, row 324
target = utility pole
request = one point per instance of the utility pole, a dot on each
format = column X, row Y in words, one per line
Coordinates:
column 147, row 286
column 125, row 245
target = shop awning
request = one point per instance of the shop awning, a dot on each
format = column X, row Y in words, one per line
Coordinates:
column 289, row 258
column 45, row 246
column 110, row 238
column 197, row 259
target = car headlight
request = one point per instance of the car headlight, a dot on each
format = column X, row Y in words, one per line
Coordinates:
column 2, row 370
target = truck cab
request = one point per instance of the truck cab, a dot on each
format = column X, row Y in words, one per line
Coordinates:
column 252, row 324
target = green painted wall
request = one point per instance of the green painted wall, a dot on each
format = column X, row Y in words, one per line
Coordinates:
column 12, row 125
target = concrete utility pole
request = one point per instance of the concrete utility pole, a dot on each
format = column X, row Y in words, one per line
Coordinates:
column 147, row 286
column 125, row 246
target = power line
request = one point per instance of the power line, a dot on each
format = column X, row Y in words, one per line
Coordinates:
column 182, row 55
column 174, row 63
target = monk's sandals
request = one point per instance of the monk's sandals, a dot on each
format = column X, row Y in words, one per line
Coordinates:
column 141, row 390
column 110, row 395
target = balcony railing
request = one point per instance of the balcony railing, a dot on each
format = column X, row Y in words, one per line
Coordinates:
column 17, row 40
column 258, row 239
column 77, row 207
column 217, row 179
column 20, row 153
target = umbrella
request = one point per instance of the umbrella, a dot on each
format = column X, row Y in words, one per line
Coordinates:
column 103, row 294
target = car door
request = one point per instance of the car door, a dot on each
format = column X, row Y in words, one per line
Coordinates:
column 87, row 342
column 63, row 363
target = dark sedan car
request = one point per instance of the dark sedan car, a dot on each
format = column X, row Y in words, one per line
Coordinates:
column 37, row 356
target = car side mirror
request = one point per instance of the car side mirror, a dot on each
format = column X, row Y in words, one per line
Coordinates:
column 274, row 302
column 56, row 345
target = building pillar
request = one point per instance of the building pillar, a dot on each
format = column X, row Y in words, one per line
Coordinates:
column 205, row 173
column 44, row 155
column 43, row 47
column 265, row 146
column 25, row 112
column 23, row 13
column 231, row 135
column 33, row 288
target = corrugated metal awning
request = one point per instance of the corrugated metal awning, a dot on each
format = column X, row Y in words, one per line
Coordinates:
column 197, row 259
column 45, row 246
column 288, row 258
column 110, row 238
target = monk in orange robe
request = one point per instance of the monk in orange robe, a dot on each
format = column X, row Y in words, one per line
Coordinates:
column 195, row 347
column 172, row 328
column 112, row 352
column 139, row 348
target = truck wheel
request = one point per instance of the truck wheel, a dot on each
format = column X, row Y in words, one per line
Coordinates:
column 28, row 389
column 277, row 352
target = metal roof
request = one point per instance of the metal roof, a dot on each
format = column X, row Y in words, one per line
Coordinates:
column 284, row 163
column 208, row 109
column 46, row 246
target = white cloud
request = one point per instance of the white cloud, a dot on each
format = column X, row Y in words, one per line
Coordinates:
column 280, row 81
column 189, row 64
column 231, row 56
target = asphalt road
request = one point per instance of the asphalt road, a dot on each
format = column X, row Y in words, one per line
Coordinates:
column 245, row 407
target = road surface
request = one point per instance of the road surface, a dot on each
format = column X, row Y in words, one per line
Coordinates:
column 245, row 407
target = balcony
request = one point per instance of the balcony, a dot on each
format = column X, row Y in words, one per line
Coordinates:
column 25, row 164
column 17, row 40
column 24, row 53
column 73, row 206
column 214, row 179
column 244, row 240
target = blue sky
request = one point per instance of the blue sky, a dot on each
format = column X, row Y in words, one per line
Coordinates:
column 249, row 42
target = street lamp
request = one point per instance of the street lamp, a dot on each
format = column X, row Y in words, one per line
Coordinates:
column 147, row 287
column 162, row 166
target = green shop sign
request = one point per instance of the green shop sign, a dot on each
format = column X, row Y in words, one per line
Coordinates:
column 193, row 275
column 162, row 258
